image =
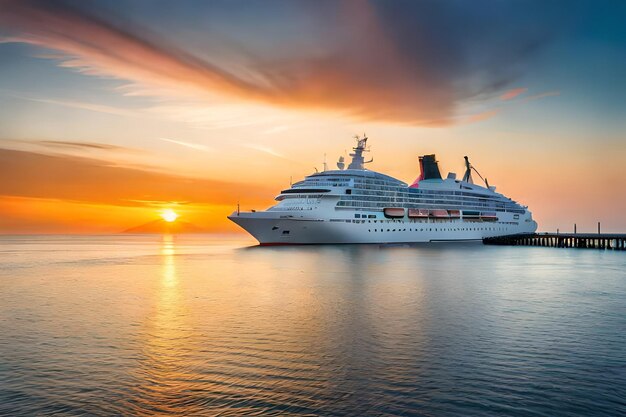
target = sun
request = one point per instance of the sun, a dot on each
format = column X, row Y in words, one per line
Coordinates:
column 169, row 215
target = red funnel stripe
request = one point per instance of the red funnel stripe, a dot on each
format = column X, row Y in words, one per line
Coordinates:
column 421, row 177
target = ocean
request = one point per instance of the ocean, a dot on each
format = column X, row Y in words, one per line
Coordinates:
column 213, row 325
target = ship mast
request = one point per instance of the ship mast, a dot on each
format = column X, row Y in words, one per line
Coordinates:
column 358, row 161
column 468, row 173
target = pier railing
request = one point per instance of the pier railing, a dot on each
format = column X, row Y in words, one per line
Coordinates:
column 562, row 240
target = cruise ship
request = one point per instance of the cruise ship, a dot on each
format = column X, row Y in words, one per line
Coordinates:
column 358, row 205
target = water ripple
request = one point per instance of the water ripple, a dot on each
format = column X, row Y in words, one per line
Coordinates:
column 149, row 326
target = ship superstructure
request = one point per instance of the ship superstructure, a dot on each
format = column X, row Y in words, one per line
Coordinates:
column 357, row 205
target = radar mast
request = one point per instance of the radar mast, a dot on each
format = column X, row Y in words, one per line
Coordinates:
column 358, row 161
column 468, row 173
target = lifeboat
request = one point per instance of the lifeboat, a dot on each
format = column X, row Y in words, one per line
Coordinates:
column 454, row 214
column 393, row 212
column 418, row 213
column 439, row 214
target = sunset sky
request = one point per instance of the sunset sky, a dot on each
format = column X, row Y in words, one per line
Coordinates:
column 112, row 112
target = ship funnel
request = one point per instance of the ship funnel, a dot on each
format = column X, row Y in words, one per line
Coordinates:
column 429, row 169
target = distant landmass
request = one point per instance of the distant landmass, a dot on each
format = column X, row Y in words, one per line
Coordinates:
column 161, row 226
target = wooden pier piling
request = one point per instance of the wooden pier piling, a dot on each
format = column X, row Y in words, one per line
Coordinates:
column 560, row 240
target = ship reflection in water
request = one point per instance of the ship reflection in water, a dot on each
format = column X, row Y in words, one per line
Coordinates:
column 207, row 326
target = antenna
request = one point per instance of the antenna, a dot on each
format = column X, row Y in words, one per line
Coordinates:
column 325, row 164
column 468, row 173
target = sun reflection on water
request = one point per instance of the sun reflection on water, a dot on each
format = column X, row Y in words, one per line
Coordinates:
column 167, row 370
column 168, row 252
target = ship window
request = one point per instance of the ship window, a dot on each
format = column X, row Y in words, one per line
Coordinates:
column 372, row 216
column 348, row 191
column 275, row 227
column 357, row 216
column 285, row 232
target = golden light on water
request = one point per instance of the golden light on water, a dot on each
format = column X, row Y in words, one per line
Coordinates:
column 169, row 215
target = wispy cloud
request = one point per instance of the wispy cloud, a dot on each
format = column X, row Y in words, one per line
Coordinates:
column 264, row 149
column 388, row 61
column 275, row 129
column 65, row 145
column 542, row 95
column 482, row 116
column 509, row 104
column 76, row 104
column 80, row 145
column 511, row 94
column 191, row 145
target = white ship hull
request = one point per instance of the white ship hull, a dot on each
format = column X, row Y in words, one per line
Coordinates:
column 270, row 230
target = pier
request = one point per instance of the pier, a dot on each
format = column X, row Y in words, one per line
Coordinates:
column 562, row 240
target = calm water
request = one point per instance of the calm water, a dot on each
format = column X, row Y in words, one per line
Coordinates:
column 208, row 325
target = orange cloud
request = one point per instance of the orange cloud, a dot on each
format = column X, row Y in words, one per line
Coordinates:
column 374, row 70
column 479, row 117
column 511, row 94
column 35, row 175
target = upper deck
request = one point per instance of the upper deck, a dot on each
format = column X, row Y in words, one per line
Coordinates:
column 358, row 188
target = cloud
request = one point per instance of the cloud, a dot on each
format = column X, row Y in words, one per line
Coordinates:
column 94, row 107
column 482, row 116
column 542, row 95
column 407, row 62
column 62, row 145
column 275, row 129
column 80, row 145
column 35, row 175
column 195, row 146
column 264, row 149
column 511, row 94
